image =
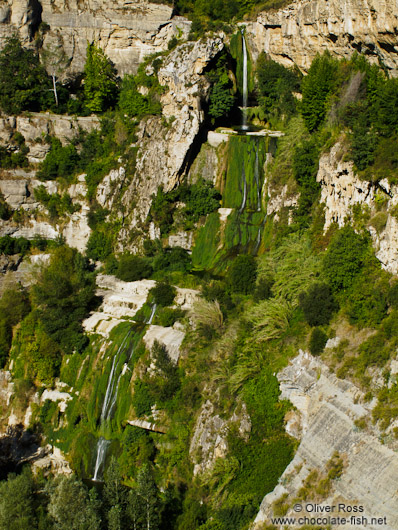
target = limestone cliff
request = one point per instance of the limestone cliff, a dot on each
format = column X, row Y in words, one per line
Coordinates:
column 164, row 142
column 328, row 410
column 296, row 33
column 127, row 31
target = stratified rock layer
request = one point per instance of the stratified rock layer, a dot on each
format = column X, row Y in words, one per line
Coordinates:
column 296, row 33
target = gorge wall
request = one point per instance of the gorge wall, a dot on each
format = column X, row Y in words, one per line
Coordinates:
column 296, row 33
column 127, row 31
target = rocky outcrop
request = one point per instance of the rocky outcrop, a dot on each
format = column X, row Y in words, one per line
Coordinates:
column 35, row 127
column 327, row 410
column 209, row 440
column 297, row 32
column 341, row 189
column 127, row 31
column 165, row 142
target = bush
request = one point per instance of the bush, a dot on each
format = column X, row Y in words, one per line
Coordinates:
column 318, row 304
column 242, row 274
column 99, row 246
column 163, row 294
column 318, row 341
column 345, row 257
column 61, row 161
column 132, row 268
column 167, row 316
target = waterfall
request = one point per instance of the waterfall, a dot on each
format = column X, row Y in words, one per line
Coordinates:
column 244, row 196
column 102, row 447
column 244, row 103
column 257, row 179
column 111, row 394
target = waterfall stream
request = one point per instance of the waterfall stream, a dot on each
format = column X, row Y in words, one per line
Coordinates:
column 111, row 394
column 245, row 100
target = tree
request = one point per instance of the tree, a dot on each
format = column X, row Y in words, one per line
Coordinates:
column 63, row 296
column 318, row 304
column 100, row 80
column 317, row 86
column 149, row 493
column 318, row 341
column 23, row 80
column 242, row 274
column 163, row 294
column 55, row 62
column 16, row 502
column 71, row 507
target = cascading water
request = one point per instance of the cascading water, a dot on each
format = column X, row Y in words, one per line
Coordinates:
column 244, row 88
column 111, row 394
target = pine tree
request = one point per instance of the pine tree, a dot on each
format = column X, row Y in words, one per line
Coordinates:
column 100, row 80
column 149, row 493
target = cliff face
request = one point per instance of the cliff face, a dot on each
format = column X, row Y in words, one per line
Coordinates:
column 328, row 410
column 295, row 34
column 127, row 31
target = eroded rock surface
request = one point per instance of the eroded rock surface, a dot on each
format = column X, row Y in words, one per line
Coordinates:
column 296, row 33
column 328, row 408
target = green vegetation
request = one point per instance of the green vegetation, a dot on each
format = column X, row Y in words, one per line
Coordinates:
column 23, row 81
column 99, row 80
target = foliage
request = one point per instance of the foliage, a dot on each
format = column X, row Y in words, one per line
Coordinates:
column 166, row 381
column 132, row 268
column 133, row 103
column 11, row 158
column 23, row 81
column 221, row 99
column 63, row 295
column 14, row 306
column 276, row 85
column 99, row 246
column 71, row 506
column 345, row 258
column 56, row 204
column 16, row 502
column 200, row 199
column 318, row 304
column 305, row 168
column 60, row 161
column 316, row 87
column 163, row 294
column 99, row 80
column 242, row 274
column 14, row 245
column 317, row 342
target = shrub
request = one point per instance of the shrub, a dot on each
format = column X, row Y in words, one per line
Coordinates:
column 132, row 268
column 163, row 294
column 142, row 400
column 318, row 341
column 61, row 161
column 345, row 258
column 318, row 304
column 242, row 274
column 99, row 246
column 167, row 316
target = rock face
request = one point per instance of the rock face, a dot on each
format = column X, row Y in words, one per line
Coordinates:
column 296, row 33
column 163, row 150
column 209, row 440
column 328, row 408
column 341, row 188
column 35, row 127
column 127, row 31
